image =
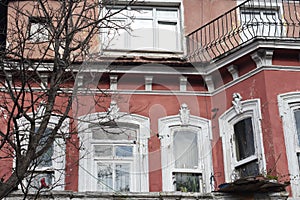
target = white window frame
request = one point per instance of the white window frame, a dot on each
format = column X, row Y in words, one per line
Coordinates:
column 166, row 126
column 151, row 5
column 59, row 151
column 251, row 108
column 87, row 164
column 38, row 31
column 255, row 6
column 287, row 104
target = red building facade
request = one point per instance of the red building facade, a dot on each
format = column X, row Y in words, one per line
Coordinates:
column 188, row 108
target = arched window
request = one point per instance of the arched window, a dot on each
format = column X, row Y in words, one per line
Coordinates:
column 185, row 153
column 241, row 134
column 289, row 109
column 115, row 154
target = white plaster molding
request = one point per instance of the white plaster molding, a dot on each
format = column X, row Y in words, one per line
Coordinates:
column 184, row 114
column 182, row 83
column 287, row 103
column 236, row 102
column 166, row 127
column 148, row 83
column 209, row 82
column 44, row 81
column 251, row 108
column 233, row 70
column 113, row 110
column 263, row 57
column 113, row 82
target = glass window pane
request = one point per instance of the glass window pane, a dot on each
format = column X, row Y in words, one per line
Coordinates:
column 141, row 13
column 167, row 14
column 244, row 140
column 105, row 177
column 45, row 160
column 249, row 169
column 122, row 177
column 106, row 133
column 187, row 182
column 141, row 35
column 40, row 181
column 297, row 119
column 168, row 36
column 103, row 151
column 185, row 149
column 124, row 151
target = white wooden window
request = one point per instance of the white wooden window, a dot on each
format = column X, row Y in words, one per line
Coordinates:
column 260, row 22
column 115, row 157
column 38, row 30
column 186, row 154
column 48, row 171
column 242, row 141
column 289, row 109
column 148, row 29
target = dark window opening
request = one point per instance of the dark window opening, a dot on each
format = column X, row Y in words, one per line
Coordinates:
column 248, row 169
column 244, row 139
column 187, row 182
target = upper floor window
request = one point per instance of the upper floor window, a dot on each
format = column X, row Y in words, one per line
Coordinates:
column 260, row 22
column 185, row 153
column 115, row 158
column 148, row 29
column 38, row 31
column 242, row 140
column 289, row 109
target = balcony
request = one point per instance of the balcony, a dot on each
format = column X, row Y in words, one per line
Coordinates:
column 249, row 21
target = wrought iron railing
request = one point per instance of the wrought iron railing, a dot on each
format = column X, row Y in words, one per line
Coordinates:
column 265, row 19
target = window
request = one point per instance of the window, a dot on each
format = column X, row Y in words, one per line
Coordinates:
column 242, row 141
column 150, row 29
column 38, row 31
column 115, row 155
column 187, row 173
column 289, row 109
column 245, row 148
column 48, row 169
column 185, row 154
column 114, row 161
column 260, row 22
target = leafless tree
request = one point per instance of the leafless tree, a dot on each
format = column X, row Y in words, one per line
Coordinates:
column 46, row 42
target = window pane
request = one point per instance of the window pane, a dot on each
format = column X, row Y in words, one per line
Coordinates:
column 297, row 119
column 141, row 35
column 122, row 177
column 45, row 160
column 124, row 151
column 105, row 133
column 167, row 14
column 40, row 181
column 244, row 140
column 167, row 36
column 185, row 149
column 105, row 177
column 249, row 169
column 187, row 182
column 139, row 13
column 103, row 151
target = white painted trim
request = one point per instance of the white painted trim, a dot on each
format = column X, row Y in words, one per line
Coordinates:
column 166, row 126
column 140, row 162
column 251, row 108
column 287, row 103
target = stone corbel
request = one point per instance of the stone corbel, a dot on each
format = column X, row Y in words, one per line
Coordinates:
column 233, row 70
column 182, row 83
column 148, row 83
column 209, row 82
column 113, row 82
column 262, row 57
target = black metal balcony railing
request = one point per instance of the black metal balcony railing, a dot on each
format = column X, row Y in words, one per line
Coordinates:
column 266, row 19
